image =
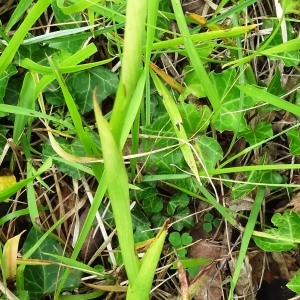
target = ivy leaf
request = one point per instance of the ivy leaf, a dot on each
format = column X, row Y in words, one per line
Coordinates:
column 275, row 86
column 152, row 204
column 265, row 177
column 179, row 200
column 9, row 72
column 158, row 220
column 35, row 52
column 3, row 132
column 228, row 116
column 194, row 120
column 82, row 85
column 183, row 218
column 262, row 131
column 289, row 58
column 138, row 217
column 68, row 21
column 294, row 137
column 143, row 233
column 210, row 151
column 288, row 227
column 74, row 148
column 163, row 23
column 42, row 280
column 294, row 283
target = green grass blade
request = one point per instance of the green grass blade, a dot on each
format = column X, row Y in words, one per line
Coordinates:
column 6, row 193
column 246, row 238
column 143, row 283
column 86, row 140
column 257, row 93
column 114, row 170
column 194, row 58
column 78, row 6
column 136, row 12
column 17, row 14
column 11, row 49
column 27, row 100
column 176, row 119
column 75, row 59
column 203, row 37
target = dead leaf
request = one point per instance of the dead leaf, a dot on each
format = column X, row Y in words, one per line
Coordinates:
column 185, row 295
column 9, row 258
column 245, row 286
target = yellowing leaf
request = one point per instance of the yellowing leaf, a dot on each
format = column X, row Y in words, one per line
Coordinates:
column 7, row 179
column 9, row 258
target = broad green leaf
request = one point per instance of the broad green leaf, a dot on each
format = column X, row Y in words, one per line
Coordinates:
column 147, row 196
column 70, row 20
column 207, row 227
column 289, row 58
column 12, row 93
column 208, row 217
column 35, row 52
column 3, row 132
column 75, row 148
column 163, row 23
column 53, row 94
column 179, row 200
column 42, row 280
column 294, row 283
column 294, row 137
column 153, row 204
column 289, row 7
column 288, row 228
column 139, row 217
column 186, row 239
column 82, row 85
column 175, row 239
column 167, row 161
column 265, row 177
column 183, row 219
column 275, row 86
column 262, row 131
column 10, row 71
column 143, row 233
column 209, row 150
column 228, row 116
column 161, row 126
column 158, row 220
column 195, row 120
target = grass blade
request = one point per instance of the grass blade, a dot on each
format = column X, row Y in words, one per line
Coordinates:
column 114, row 169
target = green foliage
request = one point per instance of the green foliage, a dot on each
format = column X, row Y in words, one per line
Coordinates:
column 210, row 222
column 229, row 115
column 289, row 58
column 74, row 147
column 283, row 238
column 178, row 241
column 41, row 280
column 83, row 84
column 294, row 137
column 187, row 144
